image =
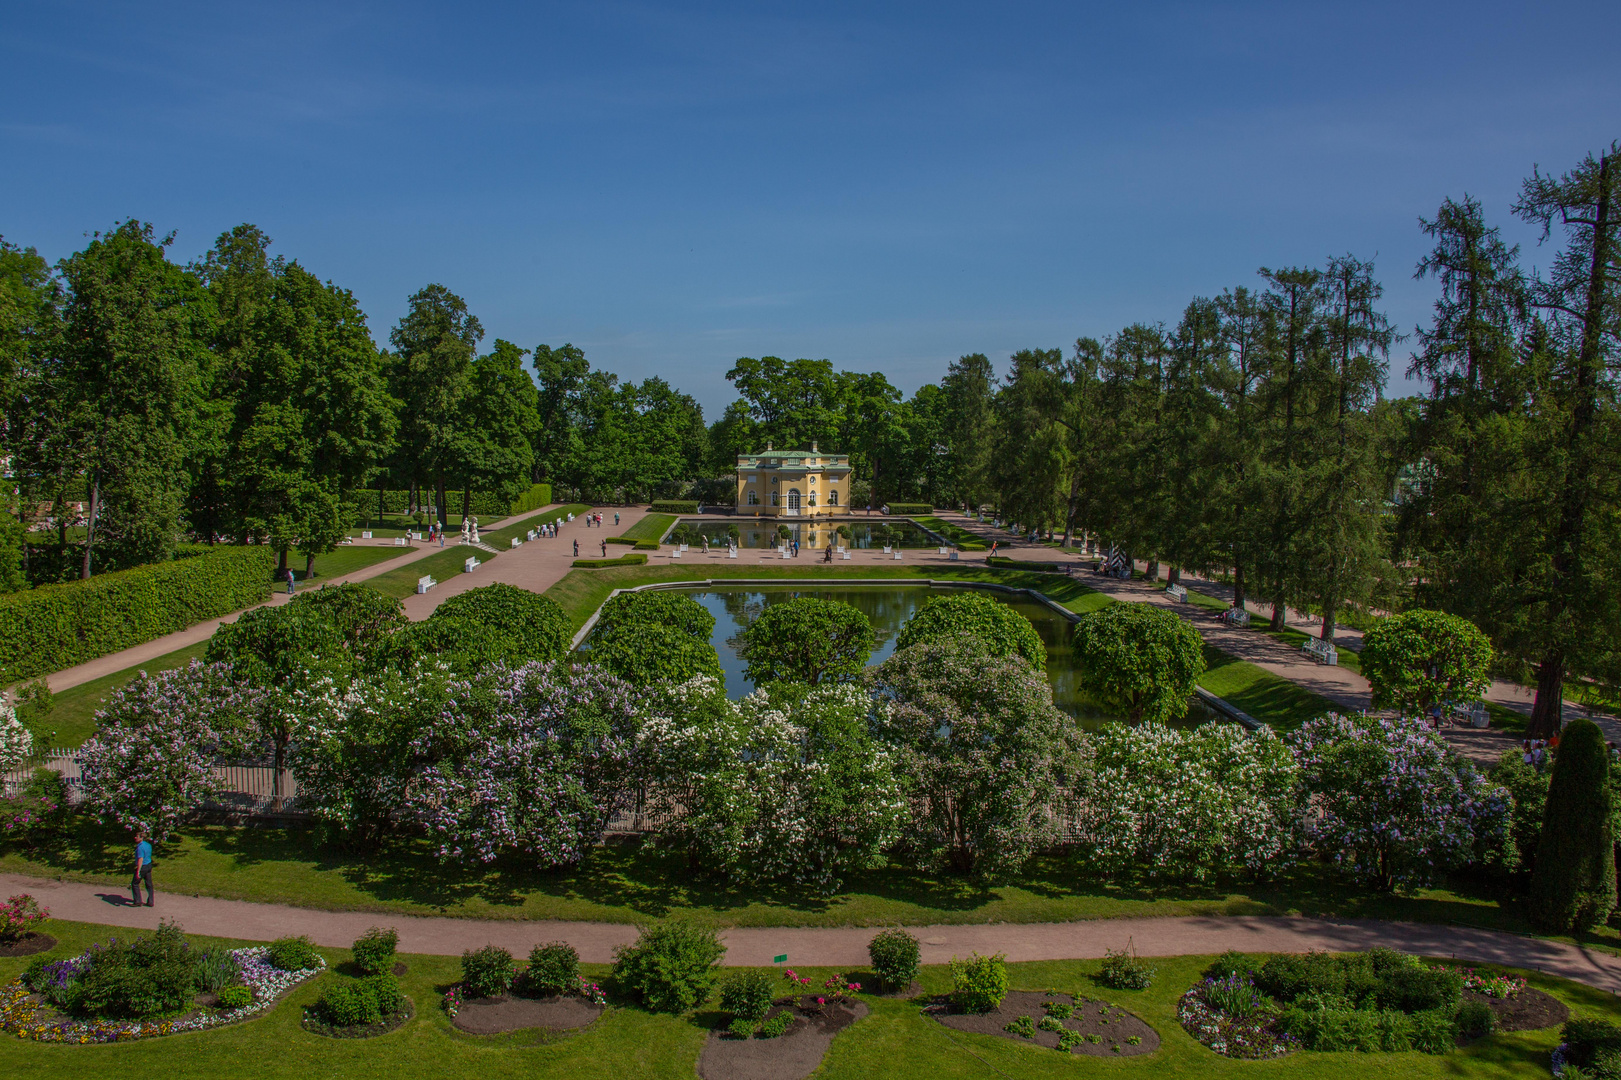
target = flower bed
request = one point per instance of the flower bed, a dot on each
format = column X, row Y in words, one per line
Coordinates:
column 28, row 1017
column 1254, row 1036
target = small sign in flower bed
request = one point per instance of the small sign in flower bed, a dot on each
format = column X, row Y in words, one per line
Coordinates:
column 1379, row 1001
column 1057, row 1022
column 777, row 1038
column 494, row 997
column 153, row 985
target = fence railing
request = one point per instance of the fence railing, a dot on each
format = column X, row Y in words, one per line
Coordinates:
column 243, row 789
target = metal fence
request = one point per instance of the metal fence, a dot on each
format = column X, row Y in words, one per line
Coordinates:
column 243, row 789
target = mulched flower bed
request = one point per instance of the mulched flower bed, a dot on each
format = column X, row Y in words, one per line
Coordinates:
column 1251, row 1037
column 1526, row 1010
column 494, row 1016
column 1106, row 1030
column 794, row 1054
column 359, row 1031
column 28, row 1016
column 29, row 944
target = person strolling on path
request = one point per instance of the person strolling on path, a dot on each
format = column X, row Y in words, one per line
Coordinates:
column 143, row 869
column 576, row 548
column 289, row 581
column 616, row 520
column 605, row 549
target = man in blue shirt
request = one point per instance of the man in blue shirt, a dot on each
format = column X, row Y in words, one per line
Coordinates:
column 143, row 869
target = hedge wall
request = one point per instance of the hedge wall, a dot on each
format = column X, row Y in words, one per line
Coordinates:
column 911, row 508
column 603, row 564
column 484, row 504
column 57, row 626
column 533, row 499
column 1002, row 563
column 673, row 506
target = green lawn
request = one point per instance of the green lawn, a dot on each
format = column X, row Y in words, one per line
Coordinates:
column 955, row 533
column 897, row 1040
column 443, row 565
column 73, row 710
column 1267, row 697
column 1289, row 635
column 502, row 538
column 651, row 527
column 632, row 882
column 340, row 563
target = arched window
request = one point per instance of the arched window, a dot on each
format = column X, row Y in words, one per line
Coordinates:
column 773, row 498
column 754, row 499
column 832, row 497
column 813, row 498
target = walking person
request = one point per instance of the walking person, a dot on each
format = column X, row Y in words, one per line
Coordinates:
column 616, row 519
column 289, row 581
column 605, row 549
column 576, row 548
column 143, row 869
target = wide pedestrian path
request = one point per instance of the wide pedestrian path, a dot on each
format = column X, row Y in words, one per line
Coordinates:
column 150, row 650
column 834, row 946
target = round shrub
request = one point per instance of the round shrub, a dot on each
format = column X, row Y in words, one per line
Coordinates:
column 1125, row 970
column 997, row 627
column 348, row 1004
column 385, row 990
column 514, row 624
column 646, row 653
column 979, row 983
column 1141, row 657
column 235, row 997
column 365, row 618
column 894, row 954
column 671, row 967
column 292, row 954
column 1232, row 962
column 374, row 951
column 554, row 968
column 660, row 607
column 807, row 640
column 487, row 972
column 747, row 994
column 1420, row 659
column 1573, row 882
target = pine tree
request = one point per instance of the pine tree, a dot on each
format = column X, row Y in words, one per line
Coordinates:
column 1573, row 885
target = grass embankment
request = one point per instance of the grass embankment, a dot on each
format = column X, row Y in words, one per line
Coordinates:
column 73, row 710
column 1274, row 701
column 958, row 535
column 442, row 565
column 650, row 529
column 502, row 537
column 897, row 1040
column 341, row 562
column 1288, row 636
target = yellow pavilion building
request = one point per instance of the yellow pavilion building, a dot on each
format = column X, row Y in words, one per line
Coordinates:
column 793, row 483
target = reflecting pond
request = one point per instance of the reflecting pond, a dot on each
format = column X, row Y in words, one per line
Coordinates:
column 812, row 534
column 888, row 608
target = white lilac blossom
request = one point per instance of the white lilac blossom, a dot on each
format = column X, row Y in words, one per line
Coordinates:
column 1189, row 803
column 16, row 741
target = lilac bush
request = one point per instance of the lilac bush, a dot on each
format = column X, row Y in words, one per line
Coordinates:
column 16, row 741
column 787, row 784
column 535, row 760
column 1389, row 798
column 151, row 760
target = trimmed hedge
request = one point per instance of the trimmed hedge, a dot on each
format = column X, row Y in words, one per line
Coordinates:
column 57, row 626
column 483, row 503
column 647, row 545
column 626, row 540
column 1003, row 563
column 911, row 508
column 603, row 564
column 533, row 499
column 673, row 506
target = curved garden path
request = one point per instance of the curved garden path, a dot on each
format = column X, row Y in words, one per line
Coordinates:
column 833, row 946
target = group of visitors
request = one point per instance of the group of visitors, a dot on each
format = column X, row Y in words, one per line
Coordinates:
column 1537, row 752
column 594, row 519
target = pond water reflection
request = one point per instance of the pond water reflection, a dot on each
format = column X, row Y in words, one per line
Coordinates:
column 813, row 535
column 888, row 608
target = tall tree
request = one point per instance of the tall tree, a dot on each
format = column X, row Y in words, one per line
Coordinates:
column 434, row 343
column 970, row 390
column 497, row 416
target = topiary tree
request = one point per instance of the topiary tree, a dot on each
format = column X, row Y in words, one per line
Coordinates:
column 503, row 623
column 1000, row 629
column 988, row 758
column 807, row 640
column 364, row 618
column 661, row 607
column 1573, row 882
column 647, row 653
column 1140, row 657
column 1420, row 659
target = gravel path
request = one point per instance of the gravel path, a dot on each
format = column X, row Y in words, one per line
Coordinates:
column 833, row 946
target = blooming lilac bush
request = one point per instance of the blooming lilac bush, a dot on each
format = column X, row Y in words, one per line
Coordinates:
column 787, row 784
column 536, row 760
column 990, row 760
column 1389, row 798
column 1189, row 803
column 16, row 741
column 151, row 759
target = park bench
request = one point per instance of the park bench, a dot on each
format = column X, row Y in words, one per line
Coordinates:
column 400, row 541
column 952, row 556
column 517, row 543
column 531, row 535
column 676, row 554
column 424, row 583
column 1321, row 651
column 1177, row 593
column 731, row 553
column 470, row 565
column 944, row 551
column 365, row 534
column 887, row 548
column 845, row 556
column 1473, row 713
column 1236, row 617
column 897, row 556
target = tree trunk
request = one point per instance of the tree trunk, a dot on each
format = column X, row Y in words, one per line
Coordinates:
column 439, row 494
column 1549, row 709
column 1238, row 584
column 1173, row 576
column 281, row 564
column 309, row 565
column 467, row 502
column 1280, row 609
column 380, row 502
column 90, row 526
column 1330, row 610
column 1151, row 571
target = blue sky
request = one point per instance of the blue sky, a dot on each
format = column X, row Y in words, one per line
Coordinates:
column 885, row 185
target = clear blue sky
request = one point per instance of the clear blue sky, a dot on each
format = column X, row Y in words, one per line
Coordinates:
column 888, row 186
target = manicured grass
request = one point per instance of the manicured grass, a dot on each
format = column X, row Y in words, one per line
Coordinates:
column 1289, row 635
column 632, row 882
column 651, row 527
column 897, row 1040
column 1267, row 697
column 501, row 538
column 341, row 563
column 955, row 533
column 443, row 565
column 73, row 710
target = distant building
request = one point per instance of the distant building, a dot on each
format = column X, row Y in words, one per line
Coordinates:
column 793, row 483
